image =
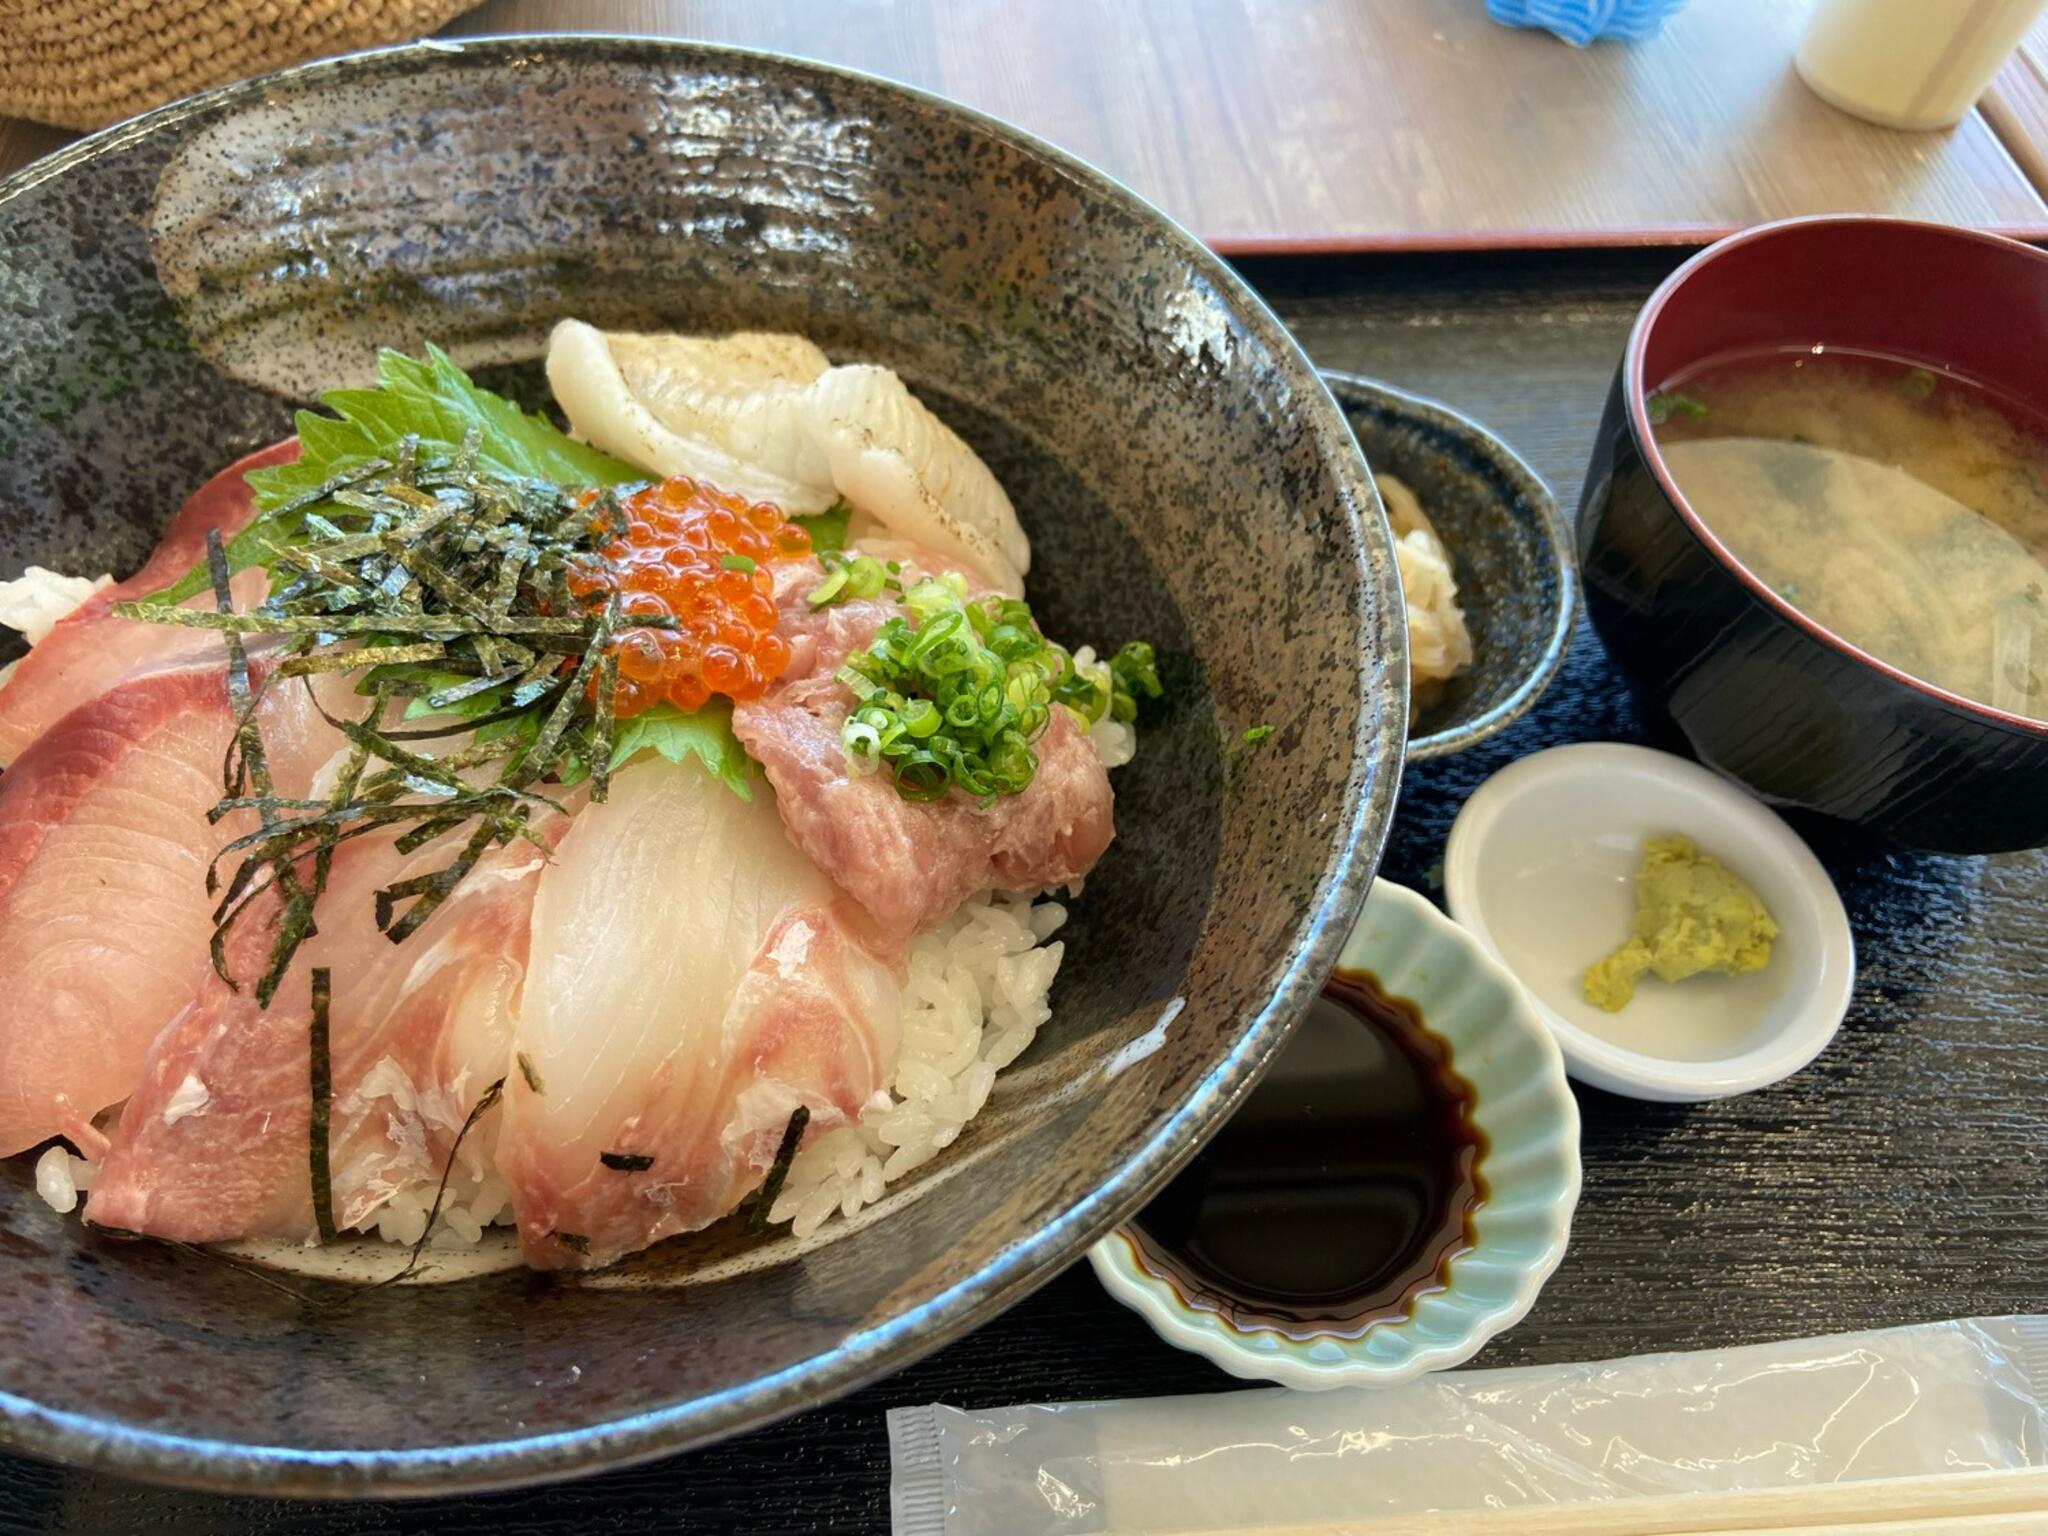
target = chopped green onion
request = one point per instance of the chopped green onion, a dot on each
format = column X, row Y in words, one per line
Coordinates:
column 1257, row 734
column 953, row 692
column 847, row 576
column 1133, row 670
column 736, row 563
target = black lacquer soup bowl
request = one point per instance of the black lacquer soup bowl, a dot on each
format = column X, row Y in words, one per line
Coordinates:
column 1758, row 689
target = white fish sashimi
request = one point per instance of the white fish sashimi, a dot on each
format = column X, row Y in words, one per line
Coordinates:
column 897, row 462
column 692, row 980
column 765, row 416
column 729, row 411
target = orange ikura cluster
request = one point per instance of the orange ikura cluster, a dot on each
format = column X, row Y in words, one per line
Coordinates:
column 699, row 555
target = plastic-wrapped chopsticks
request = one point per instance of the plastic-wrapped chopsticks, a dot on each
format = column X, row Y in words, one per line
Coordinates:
column 1930, row 1428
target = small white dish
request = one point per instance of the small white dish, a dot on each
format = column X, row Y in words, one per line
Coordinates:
column 1540, row 868
column 1524, row 1108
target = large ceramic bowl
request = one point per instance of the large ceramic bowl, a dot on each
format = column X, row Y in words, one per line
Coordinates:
column 1761, row 691
column 171, row 287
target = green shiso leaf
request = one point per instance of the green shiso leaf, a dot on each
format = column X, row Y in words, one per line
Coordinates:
column 432, row 400
column 704, row 734
column 827, row 528
column 439, row 404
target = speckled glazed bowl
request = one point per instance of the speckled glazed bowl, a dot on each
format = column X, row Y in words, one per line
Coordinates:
column 1520, row 1100
column 170, row 288
column 1511, row 552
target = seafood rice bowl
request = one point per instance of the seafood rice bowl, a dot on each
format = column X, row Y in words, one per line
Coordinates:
column 596, row 831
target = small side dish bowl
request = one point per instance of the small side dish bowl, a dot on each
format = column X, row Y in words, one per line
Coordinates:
column 1530, row 1121
column 1510, row 547
column 1759, row 690
column 1540, row 868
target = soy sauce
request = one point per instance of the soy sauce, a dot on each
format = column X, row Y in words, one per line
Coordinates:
column 1340, row 1191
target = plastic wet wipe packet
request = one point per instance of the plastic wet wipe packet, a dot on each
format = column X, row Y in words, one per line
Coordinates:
column 1940, row 1406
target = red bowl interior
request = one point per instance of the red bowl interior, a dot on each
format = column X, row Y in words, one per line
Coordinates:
column 1973, row 304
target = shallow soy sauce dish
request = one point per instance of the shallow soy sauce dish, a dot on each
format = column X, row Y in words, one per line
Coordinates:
column 1510, row 547
column 169, row 289
column 1759, row 690
column 1528, row 1123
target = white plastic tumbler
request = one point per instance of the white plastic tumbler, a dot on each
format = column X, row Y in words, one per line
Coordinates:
column 1909, row 63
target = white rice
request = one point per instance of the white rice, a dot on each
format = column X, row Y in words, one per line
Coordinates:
column 34, row 602
column 60, row 1177
column 973, row 999
column 478, row 1197
column 36, row 599
column 1115, row 742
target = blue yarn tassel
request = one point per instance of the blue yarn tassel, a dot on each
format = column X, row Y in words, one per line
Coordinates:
column 1578, row 22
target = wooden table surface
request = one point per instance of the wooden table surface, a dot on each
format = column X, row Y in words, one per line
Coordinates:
column 1269, row 125
column 2016, row 105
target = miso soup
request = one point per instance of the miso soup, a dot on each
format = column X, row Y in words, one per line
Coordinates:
column 1903, row 508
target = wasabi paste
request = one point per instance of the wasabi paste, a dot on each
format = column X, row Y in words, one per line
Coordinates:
column 1692, row 916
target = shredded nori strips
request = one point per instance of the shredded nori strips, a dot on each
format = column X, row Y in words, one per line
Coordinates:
column 448, row 588
column 323, row 1106
column 626, row 1162
column 778, row 1173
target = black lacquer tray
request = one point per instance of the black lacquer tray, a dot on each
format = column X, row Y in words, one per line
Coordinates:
column 1903, row 1177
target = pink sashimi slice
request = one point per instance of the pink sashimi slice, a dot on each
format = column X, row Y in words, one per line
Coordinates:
column 693, row 981
column 91, row 648
column 911, row 863
column 104, row 914
column 214, row 1144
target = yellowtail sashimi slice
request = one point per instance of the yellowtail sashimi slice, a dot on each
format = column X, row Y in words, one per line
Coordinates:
column 693, row 981
column 104, row 912
column 214, row 1144
column 90, row 649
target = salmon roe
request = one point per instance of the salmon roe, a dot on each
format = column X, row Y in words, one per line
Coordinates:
column 701, row 556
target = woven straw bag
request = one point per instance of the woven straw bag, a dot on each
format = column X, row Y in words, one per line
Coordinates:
column 86, row 63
